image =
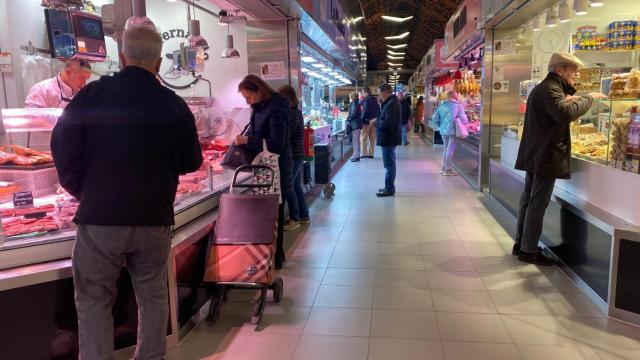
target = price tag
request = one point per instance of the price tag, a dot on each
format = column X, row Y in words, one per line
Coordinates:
column 5, row 62
column 23, row 199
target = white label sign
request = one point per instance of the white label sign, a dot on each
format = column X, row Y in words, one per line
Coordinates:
column 504, row 47
column 272, row 70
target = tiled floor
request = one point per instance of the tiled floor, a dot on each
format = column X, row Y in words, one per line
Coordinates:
column 424, row 275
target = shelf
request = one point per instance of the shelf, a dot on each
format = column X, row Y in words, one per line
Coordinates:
column 597, row 52
column 619, row 100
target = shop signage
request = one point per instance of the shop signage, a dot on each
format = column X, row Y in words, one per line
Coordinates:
column 273, row 70
column 22, row 199
column 170, row 74
column 504, row 47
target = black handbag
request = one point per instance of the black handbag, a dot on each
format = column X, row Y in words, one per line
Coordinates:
column 238, row 155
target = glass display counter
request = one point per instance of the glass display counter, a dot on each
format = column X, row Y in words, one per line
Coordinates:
column 37, row 214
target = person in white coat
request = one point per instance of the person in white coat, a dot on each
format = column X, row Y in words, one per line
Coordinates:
column 58, row 91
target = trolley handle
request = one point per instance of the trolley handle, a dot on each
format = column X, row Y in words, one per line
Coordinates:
column 242, row 168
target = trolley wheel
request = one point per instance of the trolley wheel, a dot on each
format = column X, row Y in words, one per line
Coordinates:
column 278, row 289
column 329, row 190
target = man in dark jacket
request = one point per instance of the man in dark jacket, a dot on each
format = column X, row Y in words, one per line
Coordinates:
column 405, row 106
column 545, row 150
column 119, row 147
column 389, row 135
column 370, row 112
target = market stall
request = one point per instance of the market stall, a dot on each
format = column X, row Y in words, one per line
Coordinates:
column 464, row 45
column 600, row 197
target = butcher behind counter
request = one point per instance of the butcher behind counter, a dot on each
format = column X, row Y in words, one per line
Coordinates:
column 58, row 91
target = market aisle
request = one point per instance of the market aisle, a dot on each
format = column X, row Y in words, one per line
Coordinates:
column 426, row 274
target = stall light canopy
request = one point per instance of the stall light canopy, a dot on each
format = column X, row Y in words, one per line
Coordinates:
column 597, row 3
column 395, row 53
column 581, row 7
column 356, row 19
column 397, row 37
column 399, row 46
column 394, row 64
column 308, row 59
column 391, row 57
column 397, row 19
column 318, row 65
column 305, row 70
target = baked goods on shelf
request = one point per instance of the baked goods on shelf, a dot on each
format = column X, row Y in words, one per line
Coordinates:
column 619, row 138
column 593, row 144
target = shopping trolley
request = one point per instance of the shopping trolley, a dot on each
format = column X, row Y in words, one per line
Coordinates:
column 242, row 245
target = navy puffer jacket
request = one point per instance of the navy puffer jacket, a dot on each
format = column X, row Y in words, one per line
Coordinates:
column 270, row 122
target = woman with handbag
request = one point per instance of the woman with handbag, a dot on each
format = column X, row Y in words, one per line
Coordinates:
column 450, row 120
column 269, row 122
column 355, row 121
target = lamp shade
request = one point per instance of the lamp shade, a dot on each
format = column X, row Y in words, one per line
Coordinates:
column 229, row 51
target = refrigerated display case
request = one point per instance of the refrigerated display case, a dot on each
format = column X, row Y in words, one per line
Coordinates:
column 36, row 213
column 587, row 209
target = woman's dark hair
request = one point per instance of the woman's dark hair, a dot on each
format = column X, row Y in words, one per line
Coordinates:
column 290, row 93
column 366, row 90
column 257, row 85
column 420, row 100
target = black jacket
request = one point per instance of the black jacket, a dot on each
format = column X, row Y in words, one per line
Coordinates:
column 388, row 125
column 119, row 147
column 546, row 142
column 296, row 127
column 270, row 122
column 405, row 106
column 355, row 115
column 370, row 109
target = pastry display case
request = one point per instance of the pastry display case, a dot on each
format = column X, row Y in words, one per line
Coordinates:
column 37, row 214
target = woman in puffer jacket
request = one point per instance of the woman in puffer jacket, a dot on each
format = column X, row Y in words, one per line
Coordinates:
column 445, row 120
column 269, row 121
column 355, row 122
column 298, row 209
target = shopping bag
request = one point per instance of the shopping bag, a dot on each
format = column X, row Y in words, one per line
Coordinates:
column 262, row 176
column 461, row 130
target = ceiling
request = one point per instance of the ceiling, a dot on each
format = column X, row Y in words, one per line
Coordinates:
column 427, row 24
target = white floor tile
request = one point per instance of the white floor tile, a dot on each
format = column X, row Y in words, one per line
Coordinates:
column 338, row 321
column 318, row 347
column 535, row 352
column 479, row 351
column 472, row 327
column 403, row 349
column 455, row 280
column 401, row 324
column 402, row 299
column 344, row 296
column 464, row 301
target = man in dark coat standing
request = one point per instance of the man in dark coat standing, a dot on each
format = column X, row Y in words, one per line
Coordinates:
column 405, row 106
column 370, row 112
column 389, row 135
column 545, row 150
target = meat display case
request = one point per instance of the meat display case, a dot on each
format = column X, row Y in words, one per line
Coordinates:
column 37, row 214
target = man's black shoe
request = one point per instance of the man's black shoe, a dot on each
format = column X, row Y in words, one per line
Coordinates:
column 355, row 159
column 516, row 249
column 538, row 259
column 385, row 193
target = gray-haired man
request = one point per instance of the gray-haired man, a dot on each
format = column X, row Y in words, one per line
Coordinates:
column 119, row 147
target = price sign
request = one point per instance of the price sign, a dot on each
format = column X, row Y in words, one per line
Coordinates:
column 22, row 199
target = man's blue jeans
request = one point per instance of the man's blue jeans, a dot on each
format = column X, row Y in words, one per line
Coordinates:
column 389, row 161
column 405, row 141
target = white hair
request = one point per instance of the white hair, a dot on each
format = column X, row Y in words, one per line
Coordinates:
column 142, row 45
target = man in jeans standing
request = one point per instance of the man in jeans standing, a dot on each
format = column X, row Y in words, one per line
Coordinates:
column 389, row 135
column 545, row 150
column 119, row 147
column 370, row 112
